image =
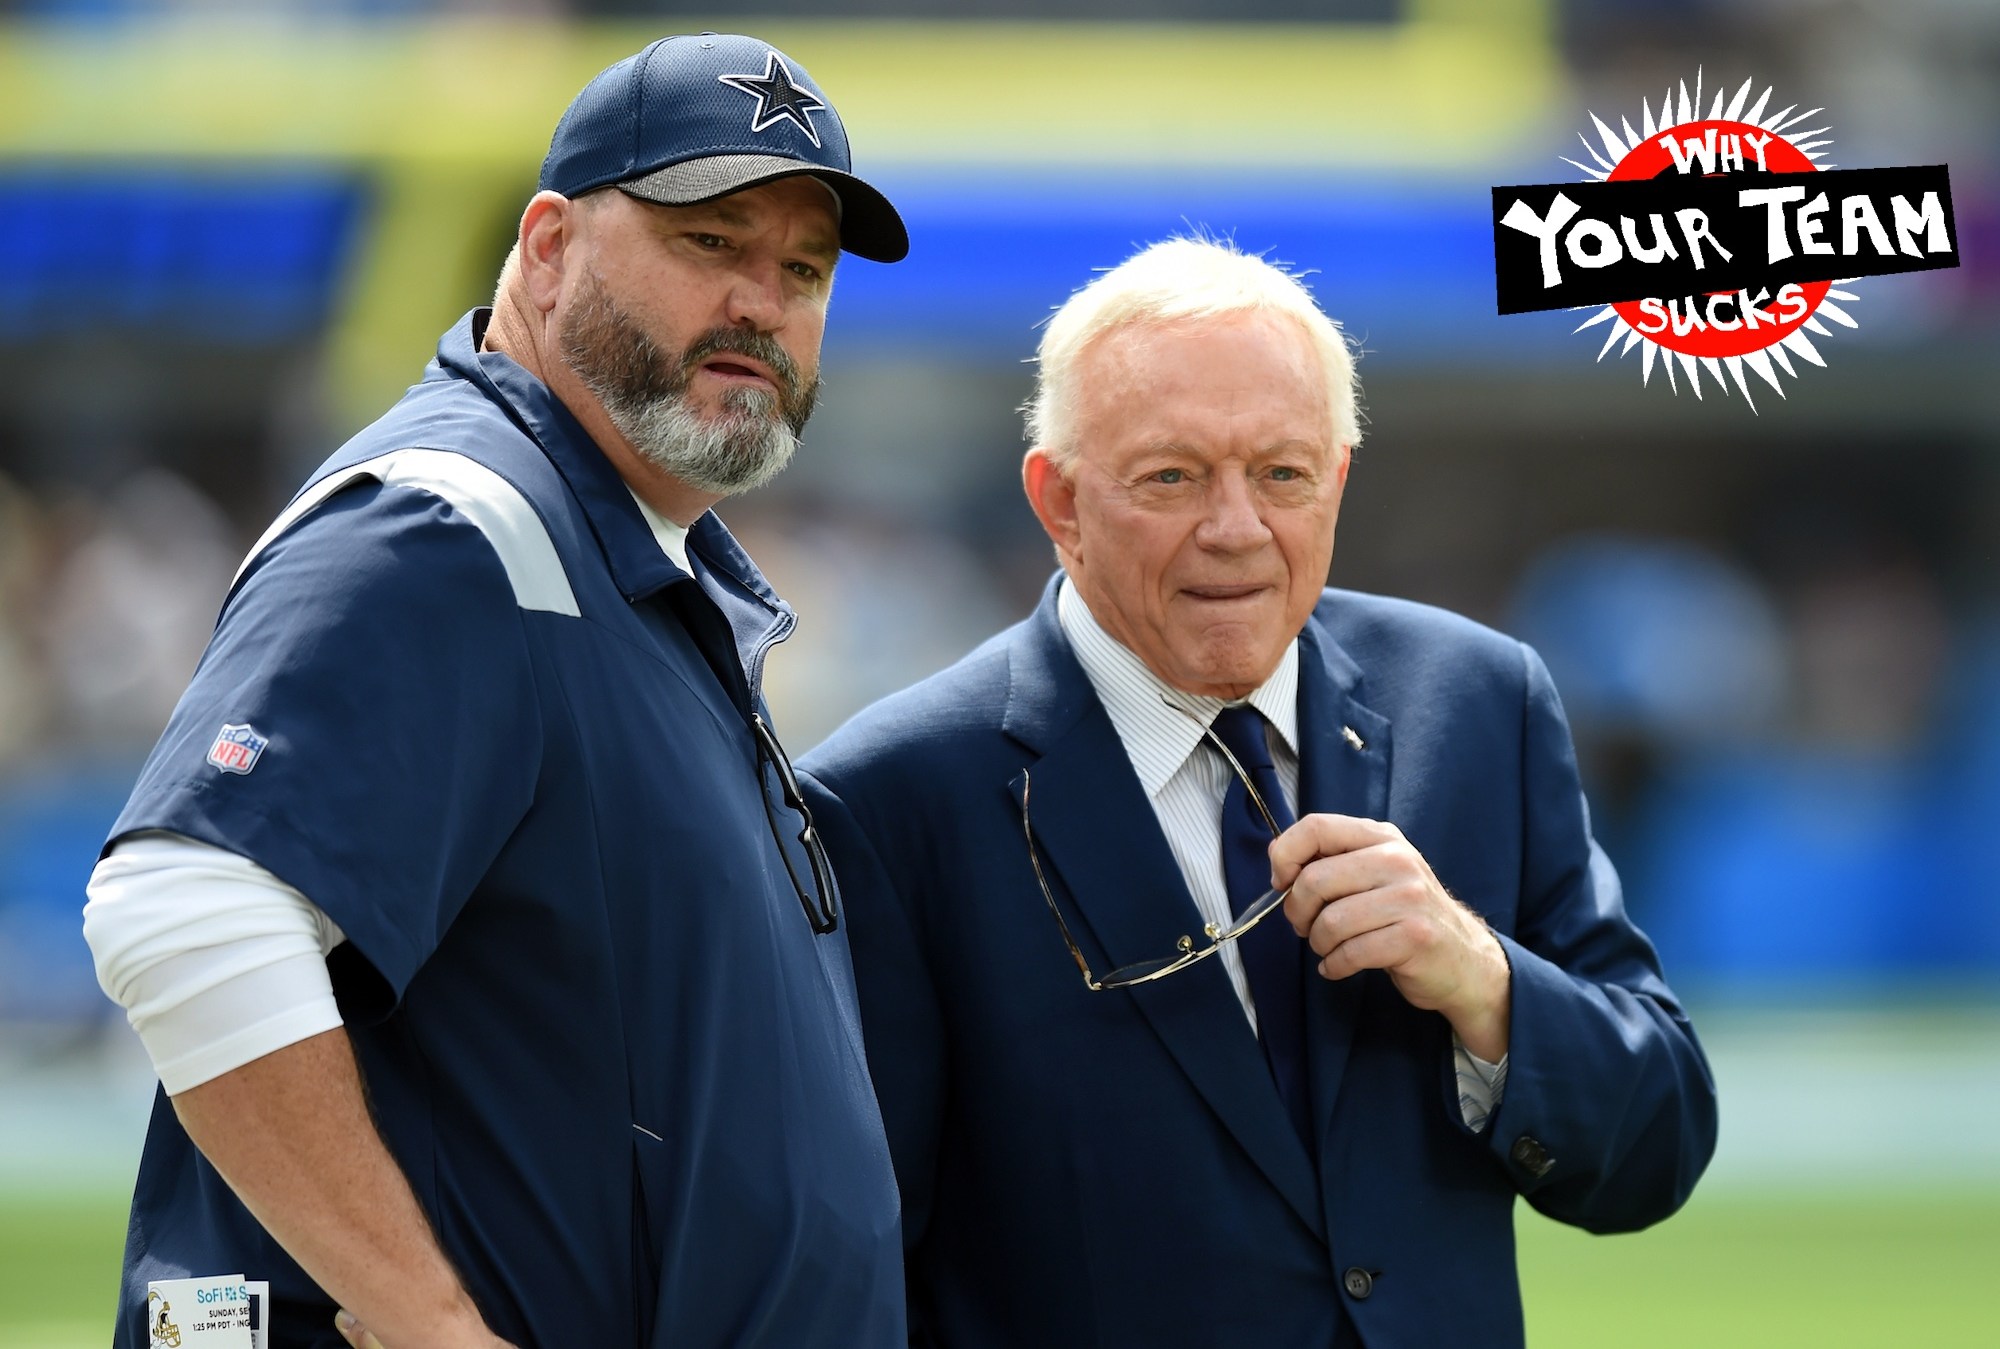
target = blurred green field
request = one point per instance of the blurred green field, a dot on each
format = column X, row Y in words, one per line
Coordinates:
column 59, row 1270
column 1826, row 1271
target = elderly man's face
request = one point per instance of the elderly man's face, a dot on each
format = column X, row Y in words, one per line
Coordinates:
column 1197, row 519
column 698, row 327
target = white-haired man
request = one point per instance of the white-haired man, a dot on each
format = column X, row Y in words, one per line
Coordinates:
column 1316, row 1138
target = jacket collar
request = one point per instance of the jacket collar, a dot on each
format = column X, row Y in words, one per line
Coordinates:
column 1343, row 770
column 633, row 554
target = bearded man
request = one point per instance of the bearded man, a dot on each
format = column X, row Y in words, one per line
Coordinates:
column 467, row 907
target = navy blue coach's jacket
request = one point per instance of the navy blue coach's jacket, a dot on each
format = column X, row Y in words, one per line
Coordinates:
column 504, row 742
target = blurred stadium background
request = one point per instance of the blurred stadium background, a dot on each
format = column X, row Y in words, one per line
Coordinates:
column 230, row 233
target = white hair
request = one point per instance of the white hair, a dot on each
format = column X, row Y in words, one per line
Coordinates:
column 1177, row 280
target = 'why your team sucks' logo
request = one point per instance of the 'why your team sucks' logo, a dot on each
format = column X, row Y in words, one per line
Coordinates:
column 1716, row 243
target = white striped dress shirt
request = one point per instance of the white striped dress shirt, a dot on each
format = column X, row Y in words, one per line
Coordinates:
column 1186, row 789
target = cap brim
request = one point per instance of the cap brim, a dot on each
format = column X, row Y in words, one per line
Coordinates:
column 869, row 225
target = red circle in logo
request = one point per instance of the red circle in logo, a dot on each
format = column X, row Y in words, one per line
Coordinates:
column 1713, row 324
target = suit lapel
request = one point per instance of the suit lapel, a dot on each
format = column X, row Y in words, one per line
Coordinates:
column 1335, row 777
column 1126, row 900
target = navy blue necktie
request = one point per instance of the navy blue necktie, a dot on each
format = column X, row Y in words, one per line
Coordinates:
column 1270, row 950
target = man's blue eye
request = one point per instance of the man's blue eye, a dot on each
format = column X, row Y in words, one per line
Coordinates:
column 1171, row 475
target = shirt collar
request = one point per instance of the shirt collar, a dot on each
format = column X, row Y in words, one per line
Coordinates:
column 1157, row 738
column 639, row 562
column 672, row 538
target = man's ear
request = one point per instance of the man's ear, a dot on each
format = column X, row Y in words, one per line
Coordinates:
column 547, row 234
column 1052, row 496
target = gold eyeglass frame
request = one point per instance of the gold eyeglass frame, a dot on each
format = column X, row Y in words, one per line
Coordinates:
column 1146, row 971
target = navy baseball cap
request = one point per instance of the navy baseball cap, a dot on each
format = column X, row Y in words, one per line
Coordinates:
column 690, row 119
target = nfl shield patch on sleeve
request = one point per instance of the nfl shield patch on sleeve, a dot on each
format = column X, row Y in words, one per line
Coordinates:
column 236, row 748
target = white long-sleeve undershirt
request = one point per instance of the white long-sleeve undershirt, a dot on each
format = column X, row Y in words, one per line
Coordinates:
column 215, row 960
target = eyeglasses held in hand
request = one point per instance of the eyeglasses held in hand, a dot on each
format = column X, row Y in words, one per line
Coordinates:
column 1186, row 952
column 820, row 901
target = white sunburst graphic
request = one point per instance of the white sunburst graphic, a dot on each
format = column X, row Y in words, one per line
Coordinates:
column 1682, row 140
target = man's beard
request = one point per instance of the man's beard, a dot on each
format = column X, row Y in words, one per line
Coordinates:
column 742, row 445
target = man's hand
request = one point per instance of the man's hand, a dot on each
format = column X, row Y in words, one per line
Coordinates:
column 1365, row 899
column 292, row 1135
column 361, row 1337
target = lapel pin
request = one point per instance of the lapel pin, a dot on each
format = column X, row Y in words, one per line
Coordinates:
column 1348, row 734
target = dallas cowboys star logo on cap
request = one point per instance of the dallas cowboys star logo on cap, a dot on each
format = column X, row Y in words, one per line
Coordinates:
column 778, row 99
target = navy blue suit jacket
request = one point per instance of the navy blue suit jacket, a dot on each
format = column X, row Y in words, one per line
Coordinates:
column 1116, row 1168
